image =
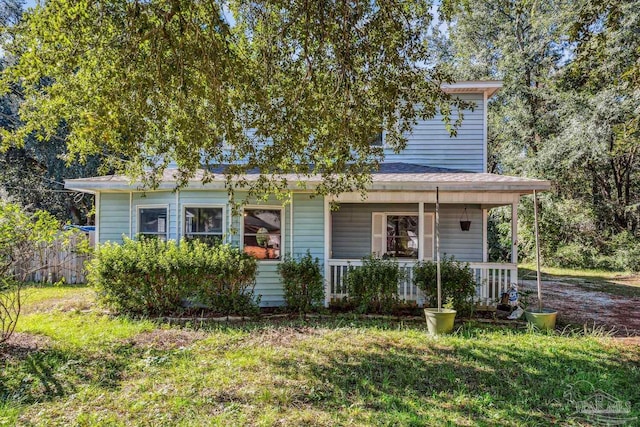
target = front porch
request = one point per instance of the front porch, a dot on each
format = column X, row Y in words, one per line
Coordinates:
column 492, row 280
column 401, row 225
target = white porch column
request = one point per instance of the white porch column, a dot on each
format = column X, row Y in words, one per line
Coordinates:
column 485, row 235
column 420, row 231
column 514, row 230
column 327, row 251
column 96, row 219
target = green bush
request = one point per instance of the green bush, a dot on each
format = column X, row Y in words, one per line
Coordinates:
column 153, row 277
column 457, row 283
column 226, row 279
column 373, row 287
column 147, row 276
column 574, row 255
column 303, row 283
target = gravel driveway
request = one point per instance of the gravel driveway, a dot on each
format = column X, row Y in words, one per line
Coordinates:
column 614, row 307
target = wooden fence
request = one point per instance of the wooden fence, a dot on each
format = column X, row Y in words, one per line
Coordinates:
column 58, row 261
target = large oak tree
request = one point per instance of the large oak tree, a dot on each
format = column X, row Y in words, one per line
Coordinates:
column 281, row 86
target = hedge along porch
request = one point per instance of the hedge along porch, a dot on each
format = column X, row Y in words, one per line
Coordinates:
column 174, row 215
column 400, row 192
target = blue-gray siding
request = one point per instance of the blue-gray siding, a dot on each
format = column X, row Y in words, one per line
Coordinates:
column 351, row 229
column 113, row 217
column 308, row 221
column 431, row 144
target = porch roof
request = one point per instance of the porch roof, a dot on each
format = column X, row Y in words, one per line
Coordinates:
column 390, row 177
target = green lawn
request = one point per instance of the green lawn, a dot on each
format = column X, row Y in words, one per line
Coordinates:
column 92, row 369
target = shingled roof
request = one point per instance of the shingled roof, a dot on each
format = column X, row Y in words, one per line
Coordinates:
column 390, row 176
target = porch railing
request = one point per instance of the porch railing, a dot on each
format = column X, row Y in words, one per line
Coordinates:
column 492, row 280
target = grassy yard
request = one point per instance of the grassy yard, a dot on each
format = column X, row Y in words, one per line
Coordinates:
column 70, row 364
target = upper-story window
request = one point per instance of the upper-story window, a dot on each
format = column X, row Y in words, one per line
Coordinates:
column 153, row 222
column 204, row 223
column 262, row 232
column 377, row 140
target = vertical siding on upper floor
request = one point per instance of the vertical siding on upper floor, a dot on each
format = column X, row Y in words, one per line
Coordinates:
column 113, row 217
column 430, row 143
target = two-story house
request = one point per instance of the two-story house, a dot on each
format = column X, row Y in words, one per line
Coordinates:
column 396, row 219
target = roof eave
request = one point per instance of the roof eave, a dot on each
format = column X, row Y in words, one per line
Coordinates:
column 524, row 187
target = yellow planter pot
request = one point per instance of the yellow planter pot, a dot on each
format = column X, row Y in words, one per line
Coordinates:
column 439, row 321
column 544, row 320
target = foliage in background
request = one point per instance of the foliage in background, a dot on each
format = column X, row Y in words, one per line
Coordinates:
column 23, row 236
column 225, row 278
column 568, row 112
column 148, row 83
column 458, row 283
column 303, row 283
column 153, row 277
column 373, row 287
column 32, row 172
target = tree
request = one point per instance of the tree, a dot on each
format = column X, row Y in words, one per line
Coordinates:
column 32, row 172
column 567, row 112
column 22, row 237
column 522, row 43
column 293, row 86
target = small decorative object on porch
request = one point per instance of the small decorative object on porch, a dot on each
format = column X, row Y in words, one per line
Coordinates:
column 542, row 318
column 439, row 320
column 465, row 224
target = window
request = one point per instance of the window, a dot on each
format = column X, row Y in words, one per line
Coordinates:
column 397, row 235
column 204, row 223
column 262, row 233
column 402, row 236
column 376, row 141
column 153, row 222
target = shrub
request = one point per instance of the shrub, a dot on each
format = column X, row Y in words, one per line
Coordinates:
column 146, row 276
column 24, row 237
column 574, row 255
column 303, row 283
column 226, row 279
column 373, row 287
column 457, row 283
column 153, row 277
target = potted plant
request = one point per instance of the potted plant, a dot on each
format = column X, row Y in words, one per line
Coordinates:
column 540, row 317
column 458, row 287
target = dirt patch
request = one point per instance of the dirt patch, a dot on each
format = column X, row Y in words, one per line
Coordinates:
column 578, row 306
column 21, row 345
column 284, row 336
column 629, row 341
column 167, row 339
column 81, row 301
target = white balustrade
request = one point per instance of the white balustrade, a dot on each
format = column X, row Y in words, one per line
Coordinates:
column 492, row 280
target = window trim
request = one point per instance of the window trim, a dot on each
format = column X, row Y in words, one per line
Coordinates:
column 282, row 229
column 431, row 215
column 204, row 205
column 164, row 206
